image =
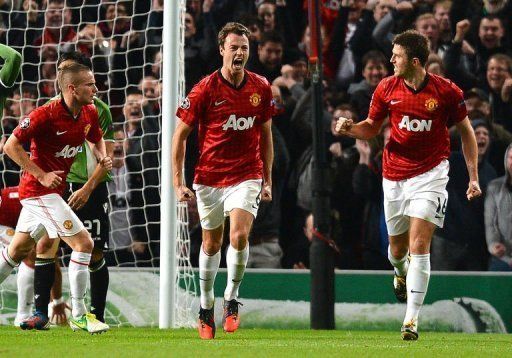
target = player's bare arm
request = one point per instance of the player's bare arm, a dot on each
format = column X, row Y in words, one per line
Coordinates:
column 179, row 141
column 15, row 151
column 364, row 130
column 267, row 155
column 470, row 150
column 80, row 197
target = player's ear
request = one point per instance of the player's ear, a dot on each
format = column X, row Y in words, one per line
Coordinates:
column 221, row 50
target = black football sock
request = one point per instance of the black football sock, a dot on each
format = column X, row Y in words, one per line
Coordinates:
column 44, row 276
column 99, row 288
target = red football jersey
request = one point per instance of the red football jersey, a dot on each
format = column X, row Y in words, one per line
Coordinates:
column 56, row 137
column 229, row 130
column 419, row 123
column 10, row 206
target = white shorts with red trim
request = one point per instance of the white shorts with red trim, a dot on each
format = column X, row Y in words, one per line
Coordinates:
column 213, row 204
column 52, row 212
column 423, row 196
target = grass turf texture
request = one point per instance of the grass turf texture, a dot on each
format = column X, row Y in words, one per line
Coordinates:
column 152, row 342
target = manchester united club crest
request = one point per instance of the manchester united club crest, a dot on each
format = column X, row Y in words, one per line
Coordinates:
column 86, row 129
column 68, row 224
column 25, row 123
column 255, row 99
column 431, row 104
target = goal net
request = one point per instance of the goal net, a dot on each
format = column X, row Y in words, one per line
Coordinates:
column 124, row 41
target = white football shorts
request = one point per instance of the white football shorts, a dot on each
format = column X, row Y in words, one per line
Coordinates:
column 52, row 212
column 423, row 196
column 214, row 204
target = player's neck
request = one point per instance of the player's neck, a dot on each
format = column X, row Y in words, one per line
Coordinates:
column 234, row 78
column 73, row 106
column 415, row 79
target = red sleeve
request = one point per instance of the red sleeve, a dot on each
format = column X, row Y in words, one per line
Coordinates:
column 32, row 125
column 94, row 134
column 378, row 107
column 456, row 106
column 192, row 107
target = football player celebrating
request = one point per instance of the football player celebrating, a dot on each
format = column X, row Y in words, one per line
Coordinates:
column 88, row 198
column 232, row 108
column 56, row 132
column 421, row 107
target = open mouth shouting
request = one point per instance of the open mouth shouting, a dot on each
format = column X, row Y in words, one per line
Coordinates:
column 238, row 64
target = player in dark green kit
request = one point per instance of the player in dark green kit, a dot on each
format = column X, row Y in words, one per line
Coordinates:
column 8, row 74
column 88, row 196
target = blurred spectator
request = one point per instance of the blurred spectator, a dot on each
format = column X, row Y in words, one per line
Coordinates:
column 119, row 196
column 498, row 218
column 460, row 244
column 151, row 90
column 441, row 12
column 367, row 186
column 142, row 162
column 468, row 64
column 362, row 42
column 427, row 25
column 116, row 21
column 385, row 29
column 374, row 70
column 267, row 63
column 265, row 251
column 435, row 65
column 199, row 51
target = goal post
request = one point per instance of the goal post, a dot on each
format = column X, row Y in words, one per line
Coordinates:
column 172, row 38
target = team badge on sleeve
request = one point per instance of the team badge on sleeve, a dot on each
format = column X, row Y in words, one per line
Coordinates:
column 255, row 99
column 25, row 123
column 86, row 129
column 431, row 104
column 185, row 104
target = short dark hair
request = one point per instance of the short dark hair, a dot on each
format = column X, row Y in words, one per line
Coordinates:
column 75, row 56
column 271, row 36
column 415, row 45
column 500, row 57
column 232, row 28
column 374, row 56
column 492, row 17
column 249, row 20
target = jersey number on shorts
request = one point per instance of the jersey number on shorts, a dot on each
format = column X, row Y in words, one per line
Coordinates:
column 441, row 209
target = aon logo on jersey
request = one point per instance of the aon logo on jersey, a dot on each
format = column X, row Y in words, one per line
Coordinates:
column 68, row 152
column 238, row 124
column 415, row 125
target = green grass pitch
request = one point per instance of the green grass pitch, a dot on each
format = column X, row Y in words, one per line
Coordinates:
column 152, row 342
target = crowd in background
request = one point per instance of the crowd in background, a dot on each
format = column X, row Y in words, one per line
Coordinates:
column 470, row 45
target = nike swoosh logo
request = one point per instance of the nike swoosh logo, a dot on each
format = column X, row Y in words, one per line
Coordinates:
column 218, row 103
column 61, row 133
column 412, row 291
column 395, row 102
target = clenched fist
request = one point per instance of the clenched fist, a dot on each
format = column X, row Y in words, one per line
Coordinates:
column 343, row 125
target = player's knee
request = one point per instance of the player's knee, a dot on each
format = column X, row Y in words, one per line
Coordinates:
column 44, row 246
column 83, row 242
column 420, row 245
column 238, row 239
column 398, row 251
column 211, row 247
